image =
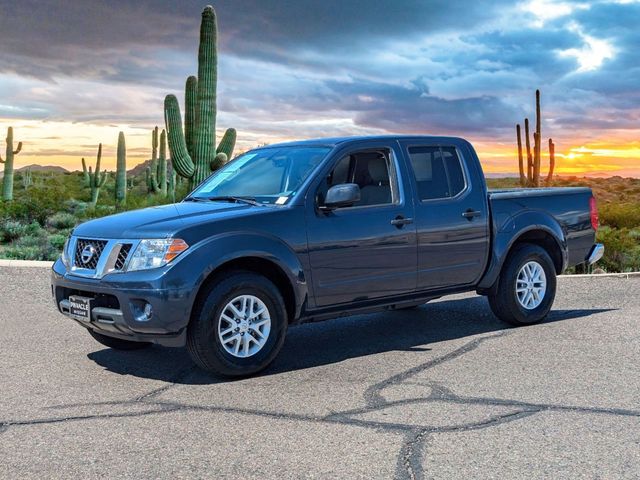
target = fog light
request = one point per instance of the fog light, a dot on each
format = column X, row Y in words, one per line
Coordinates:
column 142, row 311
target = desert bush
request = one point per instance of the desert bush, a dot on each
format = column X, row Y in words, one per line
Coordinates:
column 621, row 249
column 57, row 241
column 620, row 215
column 12, row 230
column 32, row 247
column 61, row 220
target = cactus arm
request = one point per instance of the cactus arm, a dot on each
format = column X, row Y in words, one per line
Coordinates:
column 228, row 142
column 190, row 96
column 162, row 168
column 85, row 173
column 529, row 157
column 17, row 150
column 552, row 161
column 103, row 179
column 538, row 137
column 98, row 160
column 180, row 157
column 219, row 160
column 523, row 180
column 1, row 160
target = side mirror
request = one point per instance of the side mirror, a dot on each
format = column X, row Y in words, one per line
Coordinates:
column 343, row 195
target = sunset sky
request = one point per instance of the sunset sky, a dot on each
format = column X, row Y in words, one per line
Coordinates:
column 74, row 73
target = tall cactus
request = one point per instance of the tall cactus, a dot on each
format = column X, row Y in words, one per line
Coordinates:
column 7, row 180
column 537, row 137
column 97, row 179
column 552, row 161
column 193, row 152
column 523, row 179
column 121, row 171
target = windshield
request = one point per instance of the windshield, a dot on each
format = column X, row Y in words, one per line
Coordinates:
column 268, row 175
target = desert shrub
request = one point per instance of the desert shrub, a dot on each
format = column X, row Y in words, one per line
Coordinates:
column 621, row 249
column 620, row 215
column 76, row 207
column 61, row 220
column 12, row 230
column 32, row 247
column 57, row 241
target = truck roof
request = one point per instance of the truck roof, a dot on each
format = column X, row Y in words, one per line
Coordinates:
column 334, row 141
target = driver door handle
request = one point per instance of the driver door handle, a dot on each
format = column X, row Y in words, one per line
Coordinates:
column 400, row 221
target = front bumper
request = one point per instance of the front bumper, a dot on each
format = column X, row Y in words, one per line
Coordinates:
column 119, row 299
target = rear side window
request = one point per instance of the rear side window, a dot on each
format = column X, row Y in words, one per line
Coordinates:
column 438, row 172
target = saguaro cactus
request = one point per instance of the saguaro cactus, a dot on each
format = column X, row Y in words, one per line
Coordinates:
column 193, row 152
column 121, row 171
column 96, row 179
column 157, row 176
column 85, row 173
column 537, row 138
column 529, row 156
column 27, row 179
column 7, row 179
column 552, row 161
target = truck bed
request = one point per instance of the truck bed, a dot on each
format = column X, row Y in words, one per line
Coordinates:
column 572, row 212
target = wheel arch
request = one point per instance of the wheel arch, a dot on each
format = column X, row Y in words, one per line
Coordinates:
column 530, row 227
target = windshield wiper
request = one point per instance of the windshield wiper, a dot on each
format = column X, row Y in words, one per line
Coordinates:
column 249, row 200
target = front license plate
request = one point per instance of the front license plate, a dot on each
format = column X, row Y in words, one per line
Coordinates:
column 80, row 308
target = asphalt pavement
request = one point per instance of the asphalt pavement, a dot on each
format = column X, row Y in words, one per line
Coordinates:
column 444, row 391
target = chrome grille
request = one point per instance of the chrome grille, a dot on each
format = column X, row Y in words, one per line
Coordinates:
column 92, row 262
column 122, row 256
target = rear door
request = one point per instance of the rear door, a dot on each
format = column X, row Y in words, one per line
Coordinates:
column 366, row 251
column 451, row 213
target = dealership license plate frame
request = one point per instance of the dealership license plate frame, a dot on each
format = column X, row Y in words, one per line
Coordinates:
column 80, row 308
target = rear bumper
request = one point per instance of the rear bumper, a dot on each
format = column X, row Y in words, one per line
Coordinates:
column 595, row 254
column 118, row 306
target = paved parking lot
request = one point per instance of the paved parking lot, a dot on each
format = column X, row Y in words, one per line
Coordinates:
column 444, row 391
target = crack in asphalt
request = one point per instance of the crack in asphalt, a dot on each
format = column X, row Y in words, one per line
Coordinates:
column 414, row 446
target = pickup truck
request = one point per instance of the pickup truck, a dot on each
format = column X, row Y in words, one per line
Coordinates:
column 318, row 229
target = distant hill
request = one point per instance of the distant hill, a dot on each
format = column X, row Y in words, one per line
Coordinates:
column 141, row 167
column 40, row 168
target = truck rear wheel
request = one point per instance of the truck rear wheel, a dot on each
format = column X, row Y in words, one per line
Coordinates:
column 117, row 343
column 238, row 325
column 526, row 286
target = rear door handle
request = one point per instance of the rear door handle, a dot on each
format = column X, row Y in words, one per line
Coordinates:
column 400, row 221
column 469, row 214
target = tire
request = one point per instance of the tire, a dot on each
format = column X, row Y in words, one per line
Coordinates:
column 212, row 322
column 117, row 343
column 505, row 302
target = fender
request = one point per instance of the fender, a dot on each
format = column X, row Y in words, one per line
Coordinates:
column 508, row 234
column 208, row 255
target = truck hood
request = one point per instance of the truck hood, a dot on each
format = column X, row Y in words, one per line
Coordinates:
column 160, row 222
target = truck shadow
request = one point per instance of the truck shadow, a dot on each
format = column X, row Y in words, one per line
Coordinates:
column 324, row 343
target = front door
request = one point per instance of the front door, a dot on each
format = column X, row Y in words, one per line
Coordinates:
column 366, row 251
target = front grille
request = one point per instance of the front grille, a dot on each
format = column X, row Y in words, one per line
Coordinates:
column 89, row 262
column 122, row 256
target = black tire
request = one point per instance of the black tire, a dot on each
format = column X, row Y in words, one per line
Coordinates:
column 504, row 302
column 203, row 342
column 118, row 344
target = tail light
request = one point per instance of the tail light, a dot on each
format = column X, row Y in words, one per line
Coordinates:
column 593, row 210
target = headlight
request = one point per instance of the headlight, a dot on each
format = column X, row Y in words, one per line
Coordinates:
column 66, row 259
column 156, row 253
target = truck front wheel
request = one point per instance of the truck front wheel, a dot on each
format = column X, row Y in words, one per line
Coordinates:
column 238, row 325
column 526, row 286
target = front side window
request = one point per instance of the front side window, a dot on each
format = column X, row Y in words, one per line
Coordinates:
column 438, row 172
column 267, row 175
column 372, row 171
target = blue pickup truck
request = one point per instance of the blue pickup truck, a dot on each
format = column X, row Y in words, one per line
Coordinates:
column 317, row 229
